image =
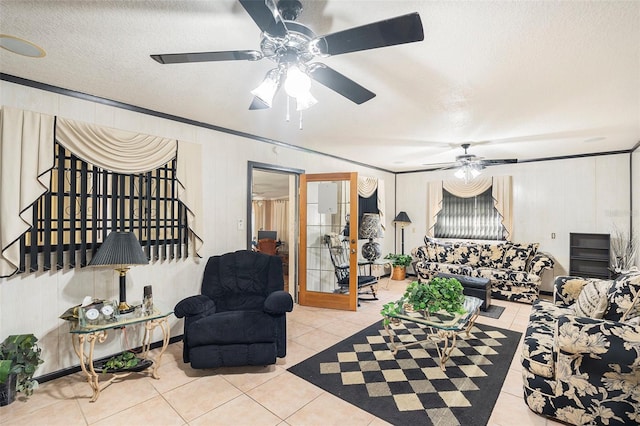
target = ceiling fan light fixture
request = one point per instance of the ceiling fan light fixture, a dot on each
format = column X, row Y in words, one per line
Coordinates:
column 468, row 172
column 305, row 101
column 297, row 83
column 266, row 91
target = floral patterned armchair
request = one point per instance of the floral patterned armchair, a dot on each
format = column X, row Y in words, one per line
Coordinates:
column 581, row 352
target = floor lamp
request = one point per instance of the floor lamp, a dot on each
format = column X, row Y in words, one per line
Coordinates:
column 121, row 249
column 403, row 220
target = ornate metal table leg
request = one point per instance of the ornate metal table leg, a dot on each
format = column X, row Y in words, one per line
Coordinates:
column 149, row 327
column 78, row 346
column 448, row 340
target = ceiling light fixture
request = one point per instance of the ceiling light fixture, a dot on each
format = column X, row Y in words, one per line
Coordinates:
column 468, row 172
column 268, row 88
column 21, row 47
column 297, row 85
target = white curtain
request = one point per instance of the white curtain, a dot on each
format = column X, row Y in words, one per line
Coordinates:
column 501, row 192
column 366, row 188
column 434, row 205
column 272, row 215
column 26, row 159
column 280, row 219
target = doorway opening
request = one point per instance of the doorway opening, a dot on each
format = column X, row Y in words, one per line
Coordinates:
column 272, row 216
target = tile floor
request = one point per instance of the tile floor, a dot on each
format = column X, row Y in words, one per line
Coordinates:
column 249, row 396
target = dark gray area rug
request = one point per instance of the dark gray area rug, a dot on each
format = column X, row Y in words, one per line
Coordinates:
column 410, row 388
column 494, row 312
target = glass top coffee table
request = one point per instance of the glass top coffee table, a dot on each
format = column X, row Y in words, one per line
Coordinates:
column 441, row 328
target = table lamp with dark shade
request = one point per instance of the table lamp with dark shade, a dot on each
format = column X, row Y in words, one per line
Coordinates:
column 402, row 219
column 369, row 229
column 121, row 249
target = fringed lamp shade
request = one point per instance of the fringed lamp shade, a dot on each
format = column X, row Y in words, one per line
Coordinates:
column 121, row 249
column 369, row 229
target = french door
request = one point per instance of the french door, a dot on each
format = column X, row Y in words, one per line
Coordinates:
column 327, row 202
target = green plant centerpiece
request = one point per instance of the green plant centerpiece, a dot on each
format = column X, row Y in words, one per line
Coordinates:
column 123, row 361
column 439, row 294
column 403, row 260
column 20, row 355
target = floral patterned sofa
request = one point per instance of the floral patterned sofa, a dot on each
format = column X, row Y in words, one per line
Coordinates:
column 515, row 270
column 581, row 352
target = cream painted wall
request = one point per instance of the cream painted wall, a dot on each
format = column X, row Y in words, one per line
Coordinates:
column 31, row 303
column 561, row 196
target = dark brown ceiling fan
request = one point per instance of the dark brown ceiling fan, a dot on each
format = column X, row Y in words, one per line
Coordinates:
column 292, row 46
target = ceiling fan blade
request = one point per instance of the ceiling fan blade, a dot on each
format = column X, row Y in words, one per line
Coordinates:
column 339, row 83
column 390, row 32
column 505, row 161
column 229, row 55
column 441, row 166
column 258, row 104
column 265, row 14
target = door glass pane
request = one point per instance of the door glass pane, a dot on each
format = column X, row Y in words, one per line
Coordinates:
column 327, row 211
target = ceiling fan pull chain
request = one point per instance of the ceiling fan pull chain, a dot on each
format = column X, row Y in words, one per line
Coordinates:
column 288, row 116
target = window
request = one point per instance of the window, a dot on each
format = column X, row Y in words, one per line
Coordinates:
column 86, row 202
column 469, row 218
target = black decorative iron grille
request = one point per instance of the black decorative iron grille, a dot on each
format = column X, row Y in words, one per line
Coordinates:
column 86, row 202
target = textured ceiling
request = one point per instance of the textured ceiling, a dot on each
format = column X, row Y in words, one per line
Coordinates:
column 530, row 79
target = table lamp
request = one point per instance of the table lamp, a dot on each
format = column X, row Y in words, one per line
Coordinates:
column 122, row 249
column 403, row 220
column 369, row 229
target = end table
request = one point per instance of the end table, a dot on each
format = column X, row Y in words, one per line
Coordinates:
column 84, row 339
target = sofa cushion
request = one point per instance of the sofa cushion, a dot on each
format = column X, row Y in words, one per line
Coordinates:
column 467, row 254
column 492, row 274
column 537, row 350
column 491, row 255
column 517, row 256
column 624, row 298
column 444, row 252
column 223, row 328
column 592, row 301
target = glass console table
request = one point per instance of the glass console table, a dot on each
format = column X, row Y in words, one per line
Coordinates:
column 441, row 328
column 85, row 337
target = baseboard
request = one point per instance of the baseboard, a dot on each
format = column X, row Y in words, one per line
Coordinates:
column 72, row 370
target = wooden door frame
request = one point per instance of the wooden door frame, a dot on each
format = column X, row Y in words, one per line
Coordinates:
column 319, row 299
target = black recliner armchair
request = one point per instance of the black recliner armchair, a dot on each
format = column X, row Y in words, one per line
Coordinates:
column 239, row 319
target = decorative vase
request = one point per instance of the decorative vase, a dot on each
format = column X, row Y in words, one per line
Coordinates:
column 399, row 273
column 8, row 390
column 371, row 250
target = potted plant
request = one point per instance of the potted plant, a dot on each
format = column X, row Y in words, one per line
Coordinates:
column 20, row 356
column 399, row 262
column 439, row 294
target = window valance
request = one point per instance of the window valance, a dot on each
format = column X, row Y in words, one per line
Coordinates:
column 26, row 158
column 112, row 149
column 500, row 191
column 367, row 186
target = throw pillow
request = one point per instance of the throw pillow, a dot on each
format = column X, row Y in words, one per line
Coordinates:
column 491, row 255
column 624, row 301
column 592, row 301
column 516, row 257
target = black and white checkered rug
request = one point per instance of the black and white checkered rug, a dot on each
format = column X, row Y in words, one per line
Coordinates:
column 410, row 387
